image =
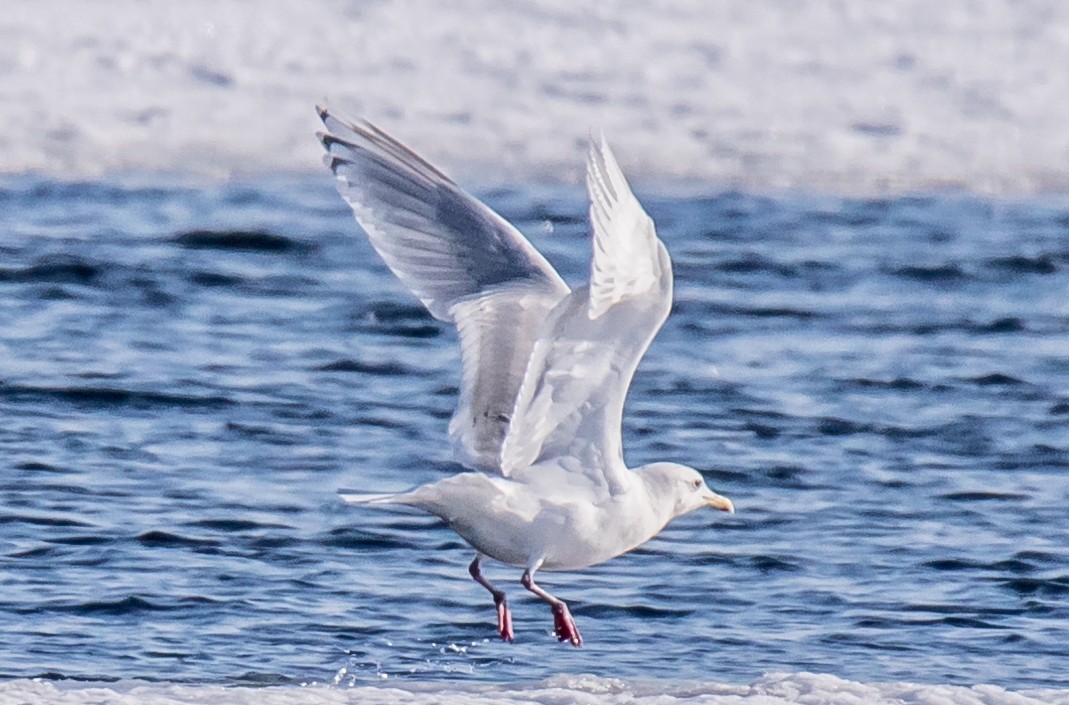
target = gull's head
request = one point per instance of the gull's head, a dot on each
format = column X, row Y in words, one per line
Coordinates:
column 682, row 488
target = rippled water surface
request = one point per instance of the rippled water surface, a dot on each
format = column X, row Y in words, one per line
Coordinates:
column 187, row 374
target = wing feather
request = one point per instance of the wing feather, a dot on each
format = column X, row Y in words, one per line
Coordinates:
column 571, row 400
column 625, row 262
column 440, row 242
column 465, row 263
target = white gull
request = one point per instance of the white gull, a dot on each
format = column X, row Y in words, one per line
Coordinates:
column 545, row 368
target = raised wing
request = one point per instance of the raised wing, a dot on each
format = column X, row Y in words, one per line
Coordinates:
column 571, row 401
column 464, row 262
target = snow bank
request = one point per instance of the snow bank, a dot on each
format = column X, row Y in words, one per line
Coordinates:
column 842, row 97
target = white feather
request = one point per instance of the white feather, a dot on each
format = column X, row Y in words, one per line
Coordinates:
column 465, row 263
column 570, row 404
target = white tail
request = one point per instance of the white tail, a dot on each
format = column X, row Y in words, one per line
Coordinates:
column 351, row 497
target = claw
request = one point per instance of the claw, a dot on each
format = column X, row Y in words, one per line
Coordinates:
column 564, row 625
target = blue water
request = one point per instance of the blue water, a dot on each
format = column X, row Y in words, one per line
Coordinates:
column 189, row 372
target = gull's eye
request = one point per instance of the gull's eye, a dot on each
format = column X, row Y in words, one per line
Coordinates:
column 697, row 484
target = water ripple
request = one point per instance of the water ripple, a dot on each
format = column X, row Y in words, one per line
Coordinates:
column 189, row 374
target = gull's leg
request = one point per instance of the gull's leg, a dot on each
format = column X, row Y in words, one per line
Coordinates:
column 504, row 616
column 563, row 624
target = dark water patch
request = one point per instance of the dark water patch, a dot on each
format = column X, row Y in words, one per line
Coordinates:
column 165, row 539
column 779, row 312
column 415, row 332
column 36, row 553
column 937, row 274
column 393, row 312
column 898, row 384
column 962, row 610
column 62, row 522
column 556, row 215
column 176, row 655
column 762, row 431
column 284, row 550
column 352, row 539
column 84, row 678
column 261, row 433
column 1060, row 408
column 851, row 216
column 642, row 612
column 996, row 379
column 756, row 264
column 727, row 233
column 59, row 488
column 1020, row 264
column 38, row 466
column 56, row 293
column 981, row 496
column 906, row 433
column 82, row 540
column 867, row 643
column 831, row 426
column 55, row 270
column 383, row 422
column 272, row 542
column 771, row 564
column 97, row 374
column 969, row 623
column 1015, row 566
column 215, row 279
column 1045, row 587
column 408, row 321
column 241, row 241
column 1042, row 557
column 954, row 565
column 289, row 286
column 131, row 605
column 261, row 680
column 701, row 312
column 792, row 476
column 1037, row 457
column 234, row 525
column 108, row 397
column 1009, row 324
column 378, row 369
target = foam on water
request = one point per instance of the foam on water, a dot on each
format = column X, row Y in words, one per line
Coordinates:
column 853, row 98
column 775, row 689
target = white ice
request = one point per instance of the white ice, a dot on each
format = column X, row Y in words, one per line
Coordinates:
column 851, row 98
column 778, row 689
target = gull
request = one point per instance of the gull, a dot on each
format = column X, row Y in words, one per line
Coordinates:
column 544, row 368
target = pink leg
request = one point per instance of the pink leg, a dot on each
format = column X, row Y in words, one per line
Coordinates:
column 504, row 616
column 563, row 624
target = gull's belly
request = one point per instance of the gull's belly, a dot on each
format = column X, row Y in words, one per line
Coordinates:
column 564, row 535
